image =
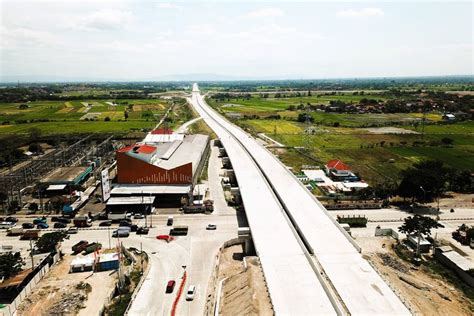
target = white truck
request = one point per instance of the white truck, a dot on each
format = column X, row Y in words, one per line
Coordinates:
column 15, row 231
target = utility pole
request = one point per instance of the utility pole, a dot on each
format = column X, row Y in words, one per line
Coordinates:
column 31, row 255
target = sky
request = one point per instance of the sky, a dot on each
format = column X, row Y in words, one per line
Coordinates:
column 153, row 40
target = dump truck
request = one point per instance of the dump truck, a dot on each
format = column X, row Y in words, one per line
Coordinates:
column 207, row 206
column 92, row 247
column 30, row 234
column 179, row 231
column 80, row 246
column 15, row 231
column 353, row 221
column 82, row 221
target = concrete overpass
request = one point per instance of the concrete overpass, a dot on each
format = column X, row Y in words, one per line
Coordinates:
column 294, row 234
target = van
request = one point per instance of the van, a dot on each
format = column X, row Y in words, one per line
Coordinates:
column 121, row 232
column 170, row 221
column 190, row 293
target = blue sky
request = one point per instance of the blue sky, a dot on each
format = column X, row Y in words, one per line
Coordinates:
column 140, row 40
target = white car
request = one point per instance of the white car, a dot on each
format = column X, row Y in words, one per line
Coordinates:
column 138, row 216
column 211, row 227
column 190, row 293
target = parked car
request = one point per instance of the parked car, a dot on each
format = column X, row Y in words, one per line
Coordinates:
column 129, row 215
column 143, row 230
column 211, row 227
column 28, row 225
column 11, row 219
column 170, row 286
column 72, row 230
column 133, row 228
column 64, row 220
column 42, row 226
column 6, row 225
column 40, row 220
column 190, row 293
column 169, row 222
column 125, row 223
column 54, row 219
column 59, row 225
column 105, row 223
column 138, row 216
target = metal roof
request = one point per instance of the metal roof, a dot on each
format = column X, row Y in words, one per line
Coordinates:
column 134, row 189
column 130, row 200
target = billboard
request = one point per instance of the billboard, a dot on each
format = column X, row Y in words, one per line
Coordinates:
column 104, row 180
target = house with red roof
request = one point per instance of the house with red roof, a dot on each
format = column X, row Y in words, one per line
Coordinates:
column 339, row 171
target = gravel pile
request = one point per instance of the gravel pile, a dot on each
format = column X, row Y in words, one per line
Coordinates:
column 394, row 263
column 68, row 303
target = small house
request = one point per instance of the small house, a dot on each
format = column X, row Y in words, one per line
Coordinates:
column 339, row 171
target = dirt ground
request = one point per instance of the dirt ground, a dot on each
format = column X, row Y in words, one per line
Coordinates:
column 61, row 292
column 424, row 292
column 244, row 292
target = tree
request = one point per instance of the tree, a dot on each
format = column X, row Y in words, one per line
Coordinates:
column 419, row 225
column 10, row 264
column 125, row 114
column 447, row 141
column 303, row 117
column 424, row 181
column 35, row 148
column 47, row 242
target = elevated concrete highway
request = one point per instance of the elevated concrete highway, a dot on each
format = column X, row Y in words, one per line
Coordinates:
column 293, row 285
column 350, row 282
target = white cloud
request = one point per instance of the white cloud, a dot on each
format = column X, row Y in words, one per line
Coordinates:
column 22, row 37
column 170, row 6
column 264, row 13
column 106, row 19
column 366, row 12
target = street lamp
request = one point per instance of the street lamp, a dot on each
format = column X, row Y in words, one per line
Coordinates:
column 424, row 194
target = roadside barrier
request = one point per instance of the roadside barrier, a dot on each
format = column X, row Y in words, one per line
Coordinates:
column 180, row 291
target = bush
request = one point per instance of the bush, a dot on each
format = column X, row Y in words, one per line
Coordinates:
column 107, row 119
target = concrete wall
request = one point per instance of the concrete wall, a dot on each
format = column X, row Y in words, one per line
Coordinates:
column 466, row 277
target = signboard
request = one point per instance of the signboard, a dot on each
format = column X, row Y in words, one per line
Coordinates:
column 104, row 180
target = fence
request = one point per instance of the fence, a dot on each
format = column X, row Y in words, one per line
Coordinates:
column 10, row 309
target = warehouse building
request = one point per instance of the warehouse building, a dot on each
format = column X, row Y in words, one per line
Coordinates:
column 165, row 167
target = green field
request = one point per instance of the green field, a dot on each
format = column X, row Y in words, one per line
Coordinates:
column 69, row 116
column 264, row 107
column 376, row 157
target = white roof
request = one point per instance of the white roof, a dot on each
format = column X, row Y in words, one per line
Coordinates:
column 130, row 200
column 355, row 280
column 355, row 184
column 105, row 257
column 54, row 187
column 162, row 138
column 135, row 189
column 462, row 262
column 82, row 260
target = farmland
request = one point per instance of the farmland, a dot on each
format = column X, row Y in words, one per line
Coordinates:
column 80, row 116
column 376, row 157
column 287, row 108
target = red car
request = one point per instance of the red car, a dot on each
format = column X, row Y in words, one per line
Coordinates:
column 167, row 238
column 170, row 286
